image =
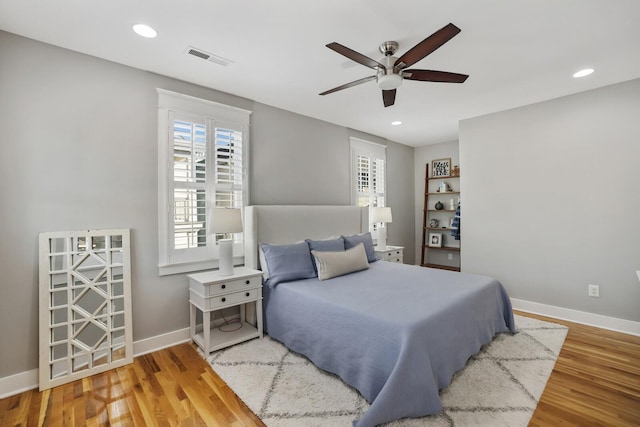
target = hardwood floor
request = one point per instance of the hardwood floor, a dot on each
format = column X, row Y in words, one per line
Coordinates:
column 170, row 387
column 596, row 381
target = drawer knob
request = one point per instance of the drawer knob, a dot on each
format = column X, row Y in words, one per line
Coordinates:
column 247, row 294
column 247, row 282
column 224, row 299
column 223, row 286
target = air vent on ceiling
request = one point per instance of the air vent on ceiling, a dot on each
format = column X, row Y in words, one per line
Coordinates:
column 199, row 53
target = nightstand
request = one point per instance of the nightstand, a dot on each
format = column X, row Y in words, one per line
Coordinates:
column 209, row 292
column 390, row 253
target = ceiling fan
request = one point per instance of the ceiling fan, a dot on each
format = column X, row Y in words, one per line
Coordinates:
column 391, row 71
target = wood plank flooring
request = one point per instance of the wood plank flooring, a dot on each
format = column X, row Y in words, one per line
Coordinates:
column 170, row 387
column 596, row 381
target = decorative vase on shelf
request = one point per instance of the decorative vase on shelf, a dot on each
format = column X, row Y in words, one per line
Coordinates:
column 439, row 206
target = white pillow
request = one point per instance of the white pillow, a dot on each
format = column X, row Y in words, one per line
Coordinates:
column 334, row 264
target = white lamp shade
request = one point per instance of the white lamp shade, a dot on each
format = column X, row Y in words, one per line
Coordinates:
column 225, row 220
column 381, row 214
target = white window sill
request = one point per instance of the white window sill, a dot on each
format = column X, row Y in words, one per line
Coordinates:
column 190, row 267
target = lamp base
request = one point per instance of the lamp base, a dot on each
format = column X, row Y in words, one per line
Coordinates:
column 382, row 238
column 225, row 261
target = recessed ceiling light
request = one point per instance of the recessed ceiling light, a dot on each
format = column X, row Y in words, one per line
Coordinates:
column 145, row 31
column 396, row 123
column 583, row 73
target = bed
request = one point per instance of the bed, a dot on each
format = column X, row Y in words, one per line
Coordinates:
column 397, row 333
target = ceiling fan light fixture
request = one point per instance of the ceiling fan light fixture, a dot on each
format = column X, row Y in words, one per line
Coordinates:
column 389, row 81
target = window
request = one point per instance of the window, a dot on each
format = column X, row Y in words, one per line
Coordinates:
column 368, row 166
column 201, row 164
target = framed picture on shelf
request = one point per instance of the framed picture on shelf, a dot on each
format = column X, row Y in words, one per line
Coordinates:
column 441, row 168
column 435, row 240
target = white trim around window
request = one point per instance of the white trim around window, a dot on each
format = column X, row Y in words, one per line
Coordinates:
column 368, row 173
column 202, row 163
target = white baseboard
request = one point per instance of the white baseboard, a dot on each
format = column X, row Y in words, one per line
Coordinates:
column 159, row 342
column 28, row 380
column 17, row 383
column 599, row 321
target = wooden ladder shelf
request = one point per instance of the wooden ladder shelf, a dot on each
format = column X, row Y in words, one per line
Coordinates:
column 426, row 228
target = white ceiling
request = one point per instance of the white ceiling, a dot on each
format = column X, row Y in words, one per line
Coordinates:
column 516, row 52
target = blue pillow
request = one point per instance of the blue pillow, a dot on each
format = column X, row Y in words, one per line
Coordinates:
column 288, row 262
column 331, row 245
column 365, row 238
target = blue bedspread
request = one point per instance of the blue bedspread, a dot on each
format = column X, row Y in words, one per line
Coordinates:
column 397, row 333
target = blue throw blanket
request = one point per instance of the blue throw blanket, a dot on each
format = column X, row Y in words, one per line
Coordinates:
column 397, row 333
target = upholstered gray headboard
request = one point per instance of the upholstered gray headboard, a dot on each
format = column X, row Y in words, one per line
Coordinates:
column 279, row 224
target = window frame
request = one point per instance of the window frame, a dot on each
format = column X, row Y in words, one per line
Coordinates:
column 371, row 150
column 172, row 105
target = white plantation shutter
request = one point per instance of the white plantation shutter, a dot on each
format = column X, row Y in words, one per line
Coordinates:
column 189, row 183
column 377, row 185
column 201, row 165
column 368, row 173
column 229, row 172
column 229, row 168
column 370, row 181
column 363, row 166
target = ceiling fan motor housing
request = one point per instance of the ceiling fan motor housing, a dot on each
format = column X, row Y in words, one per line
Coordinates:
column 388, row 48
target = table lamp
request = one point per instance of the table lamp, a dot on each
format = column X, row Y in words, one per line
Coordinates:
column 226, row 221
column 379, row 214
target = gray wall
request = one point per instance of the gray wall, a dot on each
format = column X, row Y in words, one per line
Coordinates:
column 321, row 174
column 400, row 197
column 79, row 151
column 551, row 200
column 297, row 159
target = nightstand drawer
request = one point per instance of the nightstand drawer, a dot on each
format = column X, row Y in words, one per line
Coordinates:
column 220, row 301
column 391, row 254
column 394, row 258
column 224, row 287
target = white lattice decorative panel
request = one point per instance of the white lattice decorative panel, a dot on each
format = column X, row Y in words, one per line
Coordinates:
column 85, row 304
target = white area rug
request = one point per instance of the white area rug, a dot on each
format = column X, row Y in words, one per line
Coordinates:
column 500, row 386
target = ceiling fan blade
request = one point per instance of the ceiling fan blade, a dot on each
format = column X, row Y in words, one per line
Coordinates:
column 434, row 76
column 389, row 97
column 355, row 56
column 348, row 85
column 427, row 46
